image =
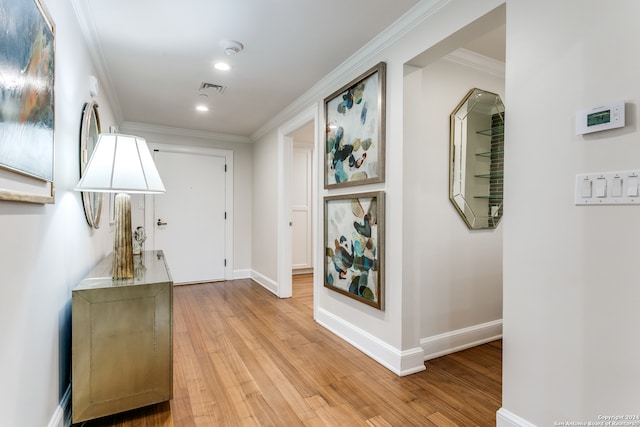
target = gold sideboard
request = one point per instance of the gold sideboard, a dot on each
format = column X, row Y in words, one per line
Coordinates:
column 121, row 351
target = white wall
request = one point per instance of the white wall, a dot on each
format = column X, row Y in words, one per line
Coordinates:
column 458, row 271
column 264, row 248
column 391, row 336
column 570, row 282
column 570, row 293
column 571, row 289
column 242, row 181
column 45, row 250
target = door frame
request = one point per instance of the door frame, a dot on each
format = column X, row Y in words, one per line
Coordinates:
column 285, row 150
column 149, row 214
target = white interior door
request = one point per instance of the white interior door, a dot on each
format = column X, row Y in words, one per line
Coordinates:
column 301, row 253
column 189, row 219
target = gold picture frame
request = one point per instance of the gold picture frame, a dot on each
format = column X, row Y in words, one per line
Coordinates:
column 354, row 246
column 355, row 131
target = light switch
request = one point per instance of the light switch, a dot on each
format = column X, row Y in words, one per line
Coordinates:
column 616, row 187
column 620, row 187
column 586, row 188
column 632, row 186
column 601, row 187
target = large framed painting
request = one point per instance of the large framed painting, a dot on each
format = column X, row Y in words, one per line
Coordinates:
column 27, row 51
column 354, row 246
column 355, row 131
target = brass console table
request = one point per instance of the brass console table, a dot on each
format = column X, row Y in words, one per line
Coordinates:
column 122, row 355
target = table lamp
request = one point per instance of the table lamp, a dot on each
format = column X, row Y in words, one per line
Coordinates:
column 121, row 164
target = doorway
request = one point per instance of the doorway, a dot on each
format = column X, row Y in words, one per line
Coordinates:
column 304, row 124
column 302, row 201
column 466, row 265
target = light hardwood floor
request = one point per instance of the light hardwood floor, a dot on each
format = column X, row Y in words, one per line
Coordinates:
column 243, row 357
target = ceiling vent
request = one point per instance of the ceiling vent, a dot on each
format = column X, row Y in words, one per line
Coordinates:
column 214, row 87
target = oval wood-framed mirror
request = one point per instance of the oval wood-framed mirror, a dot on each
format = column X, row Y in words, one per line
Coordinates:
column 89, row 131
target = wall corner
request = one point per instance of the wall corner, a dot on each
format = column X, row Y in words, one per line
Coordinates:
column 401, row 363
column 505, row 418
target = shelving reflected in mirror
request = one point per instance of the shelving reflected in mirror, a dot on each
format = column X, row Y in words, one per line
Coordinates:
column 477, row 159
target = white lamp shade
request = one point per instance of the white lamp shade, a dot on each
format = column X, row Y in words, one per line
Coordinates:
column 121, row 163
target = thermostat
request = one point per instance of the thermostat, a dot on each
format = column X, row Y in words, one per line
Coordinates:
column 599, row 118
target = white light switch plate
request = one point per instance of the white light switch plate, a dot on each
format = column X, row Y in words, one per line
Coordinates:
column 609, row 188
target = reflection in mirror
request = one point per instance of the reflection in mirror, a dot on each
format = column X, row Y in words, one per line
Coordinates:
column 89, row 130
column 477, row 159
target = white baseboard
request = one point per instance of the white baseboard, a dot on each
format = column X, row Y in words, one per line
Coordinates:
column 241, row 274
column 506, row 418
column 265, row 282
column 461, row 339
column 64, row 408
column 402, row 363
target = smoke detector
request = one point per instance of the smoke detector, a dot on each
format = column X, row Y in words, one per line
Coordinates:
column 231, row 47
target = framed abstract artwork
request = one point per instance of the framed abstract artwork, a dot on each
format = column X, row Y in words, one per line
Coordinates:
column 354, row 246
column 355, row 131
column 27, row 51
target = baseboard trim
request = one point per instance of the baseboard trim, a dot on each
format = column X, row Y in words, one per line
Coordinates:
column 241, row 274
column 265, row 282
column 505, row 418
column 461, row 339
column 401, row 363
column 62, row 415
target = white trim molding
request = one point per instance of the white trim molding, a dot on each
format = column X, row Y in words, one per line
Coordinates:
column 84, row 17
column 168, row 130
column 506, row 418
column 62, row 415
column 242, row 274
column 477, row 62
column 265, row 282
column 460, row 339
column 356, row 64
column 400, row 362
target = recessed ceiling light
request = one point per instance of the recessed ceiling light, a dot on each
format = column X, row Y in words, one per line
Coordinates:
column 222, row 66
column 202, row 108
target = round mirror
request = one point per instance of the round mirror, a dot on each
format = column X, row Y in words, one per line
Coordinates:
column 89, row 130
column 477, row 159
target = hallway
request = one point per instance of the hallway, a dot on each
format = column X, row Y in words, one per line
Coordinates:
column 245, row 357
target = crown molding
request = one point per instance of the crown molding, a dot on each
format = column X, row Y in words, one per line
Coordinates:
column 84, row 16
column 357, row 63
column 168, row 130
column 476, row 61
column 354, row 65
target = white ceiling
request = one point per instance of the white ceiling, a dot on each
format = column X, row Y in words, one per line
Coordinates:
column 152, row 55
column 491, row 44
